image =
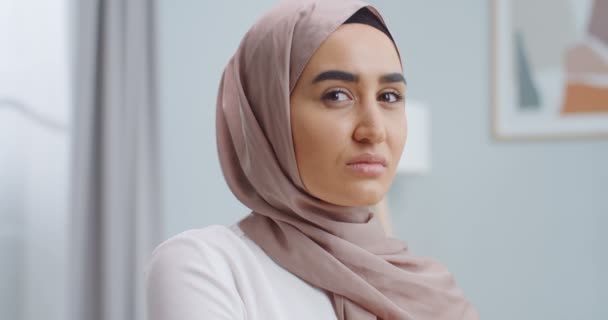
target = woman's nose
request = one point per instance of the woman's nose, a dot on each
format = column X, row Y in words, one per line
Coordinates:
column 370, row 127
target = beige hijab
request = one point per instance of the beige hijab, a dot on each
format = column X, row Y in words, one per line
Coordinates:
column 342, row 250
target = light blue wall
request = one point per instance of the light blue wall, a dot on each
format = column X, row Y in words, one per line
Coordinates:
column 521, row 225
column 196, row 39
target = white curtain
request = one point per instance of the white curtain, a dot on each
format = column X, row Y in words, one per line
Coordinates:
column 116, row 187
column 35, row 134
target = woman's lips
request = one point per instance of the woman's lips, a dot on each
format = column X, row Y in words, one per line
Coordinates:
column 367, row 169
column 368, row 165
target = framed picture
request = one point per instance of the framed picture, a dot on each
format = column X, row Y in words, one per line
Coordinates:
column 550, row 68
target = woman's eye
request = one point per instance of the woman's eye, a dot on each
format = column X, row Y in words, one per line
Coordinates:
column 336, row 96
column 390, row 97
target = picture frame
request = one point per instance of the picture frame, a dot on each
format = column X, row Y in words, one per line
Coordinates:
column 549, row 69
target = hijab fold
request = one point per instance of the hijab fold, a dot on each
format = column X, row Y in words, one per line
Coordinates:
column 342, row 250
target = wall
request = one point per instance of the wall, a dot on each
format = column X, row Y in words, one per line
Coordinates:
column 521, row 225
column 196, row 39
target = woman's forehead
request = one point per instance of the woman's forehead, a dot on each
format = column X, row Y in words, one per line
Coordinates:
column 357, row 48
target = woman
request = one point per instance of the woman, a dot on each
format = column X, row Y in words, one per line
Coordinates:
column 311, row 123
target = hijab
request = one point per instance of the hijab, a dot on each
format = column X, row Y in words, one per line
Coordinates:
column 342, row 250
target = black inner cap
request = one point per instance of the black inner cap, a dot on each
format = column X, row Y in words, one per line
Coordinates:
column 365, row 16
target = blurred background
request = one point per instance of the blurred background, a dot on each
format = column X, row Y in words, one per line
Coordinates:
column 107, row 147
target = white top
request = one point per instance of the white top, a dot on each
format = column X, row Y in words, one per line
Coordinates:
column 217, row 272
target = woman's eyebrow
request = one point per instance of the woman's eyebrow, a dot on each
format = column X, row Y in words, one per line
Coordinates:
column 335, row 75
column 350, row 77
column 393, row 77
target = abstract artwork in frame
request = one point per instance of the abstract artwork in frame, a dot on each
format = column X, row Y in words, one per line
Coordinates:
column 550, row 68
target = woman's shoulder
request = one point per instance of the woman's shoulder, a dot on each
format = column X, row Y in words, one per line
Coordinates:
column 211, row 245
column 196, row 269
column 212, row 235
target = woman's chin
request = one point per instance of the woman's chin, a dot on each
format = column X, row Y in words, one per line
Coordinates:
column 366, row 193
column 357, row 193
column 370, row 201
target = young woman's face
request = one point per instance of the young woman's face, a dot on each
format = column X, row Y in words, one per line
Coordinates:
column 348, row 117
